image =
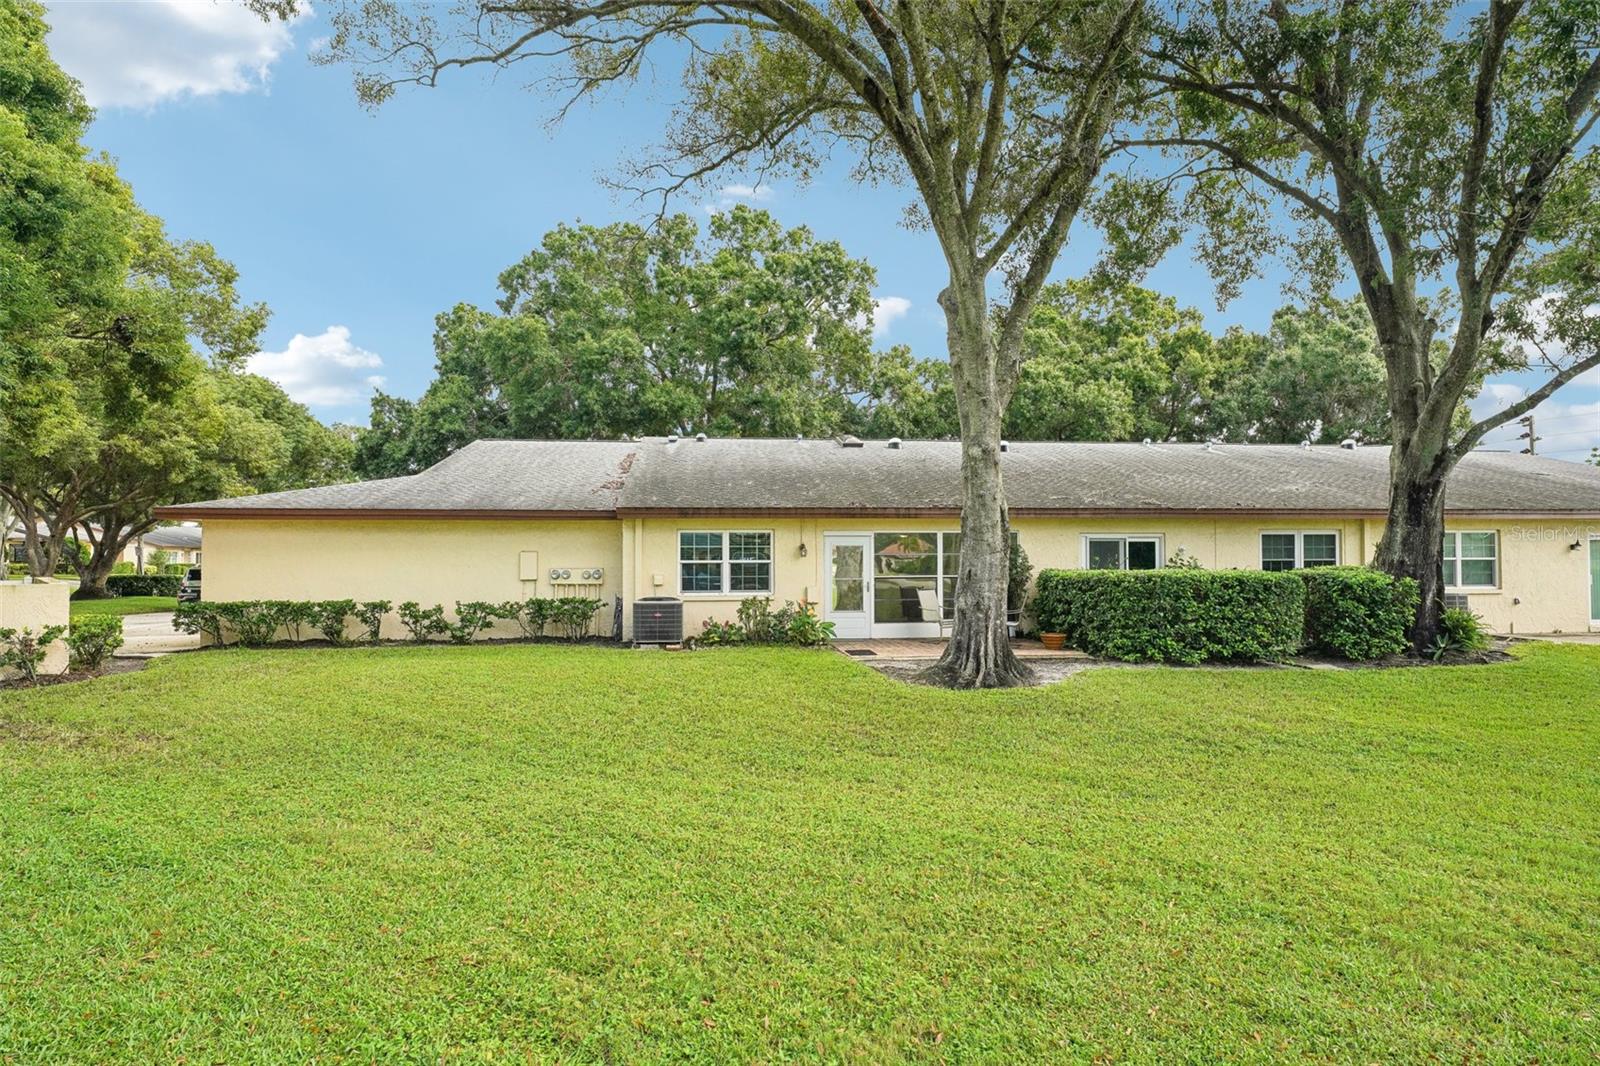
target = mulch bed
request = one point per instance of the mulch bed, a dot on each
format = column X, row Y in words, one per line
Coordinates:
column 1051, row 671
column 113, row 666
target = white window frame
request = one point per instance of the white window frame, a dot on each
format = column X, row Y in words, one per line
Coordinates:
column 1451, row 579
column 725, row 591
column 1160, row 540
column 1300, row 536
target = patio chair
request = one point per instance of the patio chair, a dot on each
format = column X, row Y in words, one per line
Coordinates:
column 933, row 610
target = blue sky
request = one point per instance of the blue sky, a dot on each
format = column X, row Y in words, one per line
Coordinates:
column 356, row 229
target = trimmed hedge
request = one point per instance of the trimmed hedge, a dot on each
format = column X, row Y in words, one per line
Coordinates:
column 143, row 584
column 1174, row 615
column 1356, row 612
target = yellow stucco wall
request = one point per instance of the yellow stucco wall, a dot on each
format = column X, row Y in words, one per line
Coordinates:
column 1544, row 583
column 35, row 606
column 427, row 560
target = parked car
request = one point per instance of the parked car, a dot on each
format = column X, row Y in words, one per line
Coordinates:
column 189, row 587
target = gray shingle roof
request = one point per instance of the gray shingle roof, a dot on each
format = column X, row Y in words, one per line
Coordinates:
column 730, row 475
column 180, row 537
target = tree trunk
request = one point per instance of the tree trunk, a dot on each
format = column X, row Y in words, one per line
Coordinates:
column 979, row 654
column 92, row 575
column 1413, row 538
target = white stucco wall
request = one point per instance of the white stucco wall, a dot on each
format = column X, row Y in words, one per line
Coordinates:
column 35, row 606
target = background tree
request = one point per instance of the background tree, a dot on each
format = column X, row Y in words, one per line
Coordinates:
column 617, row 330
column 1439, row 154
column 995, row 113
column 1109, row 360
column 1314, row 376
column 108, row 406
column 1114, row 361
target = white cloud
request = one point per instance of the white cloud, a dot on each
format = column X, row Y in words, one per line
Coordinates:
column 323, row 371
column 140, row 54
column 729, row 195
column 885, row 311
column 1567, row 429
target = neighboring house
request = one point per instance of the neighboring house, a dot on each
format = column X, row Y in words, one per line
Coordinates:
column 858, row 527
column 16, row 550
column 181, row 544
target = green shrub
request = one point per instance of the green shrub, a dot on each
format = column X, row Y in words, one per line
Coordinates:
column 254, row 622
column 1459, row 631
column 1356, row 612
column 143, row 584
column 532, row 615
column 123, row 567
column 1019, row 573
column 421, row 622
column 805, row 628
column 24, row 651
column 757, row 620
column 1182, row 560
column 292, row 615
column 714, row 633
column 472, row 618
column 328, row 617
column 92, row 640
column 370, row 614
column 1180, row 616
column 760, row 623
column 199, row 617
column 174, row 570
column 573, row 615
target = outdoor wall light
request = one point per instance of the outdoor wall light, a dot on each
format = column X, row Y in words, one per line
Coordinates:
column 1577, row 544
column 802, row 549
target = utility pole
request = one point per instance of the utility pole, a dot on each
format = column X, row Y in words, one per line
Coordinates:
column 1529, row 436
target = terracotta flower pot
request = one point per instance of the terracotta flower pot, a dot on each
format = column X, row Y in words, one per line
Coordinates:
column 1053, row 641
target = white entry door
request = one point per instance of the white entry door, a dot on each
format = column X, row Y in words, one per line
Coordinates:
column 848, row 601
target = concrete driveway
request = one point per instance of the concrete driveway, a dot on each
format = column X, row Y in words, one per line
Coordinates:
column 148, row 635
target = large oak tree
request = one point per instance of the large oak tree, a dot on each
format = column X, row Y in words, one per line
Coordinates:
column 1440, row 154
column 995, row 114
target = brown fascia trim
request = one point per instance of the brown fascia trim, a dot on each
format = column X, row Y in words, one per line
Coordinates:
column 202, row 513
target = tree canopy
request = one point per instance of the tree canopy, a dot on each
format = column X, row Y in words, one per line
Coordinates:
column 749, row 329
column 120, row 348
column 1441, row 155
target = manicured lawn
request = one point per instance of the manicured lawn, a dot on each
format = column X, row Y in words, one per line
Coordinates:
column 532, row 852
column 122, row 605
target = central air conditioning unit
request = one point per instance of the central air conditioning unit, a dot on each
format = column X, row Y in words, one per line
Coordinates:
column 658, row 620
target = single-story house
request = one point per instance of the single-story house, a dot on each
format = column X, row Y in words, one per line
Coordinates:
column 859, row 527
column 180, row 543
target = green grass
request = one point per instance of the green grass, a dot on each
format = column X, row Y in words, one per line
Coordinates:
column 122, row 605
column 534, row 852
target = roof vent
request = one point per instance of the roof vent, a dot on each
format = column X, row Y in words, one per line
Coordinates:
column 1305, row 444
column 894, row 442
column 672, row 438
column 1148, row 443
column 1005, row 446
column 1348, row 444
column 701, row 437
column 850, row 441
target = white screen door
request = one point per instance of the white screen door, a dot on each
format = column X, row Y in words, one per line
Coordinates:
column 849, row 593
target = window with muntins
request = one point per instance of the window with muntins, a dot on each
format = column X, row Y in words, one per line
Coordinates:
column 1471, row 560
column 737, row 563
column 1295, row 550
